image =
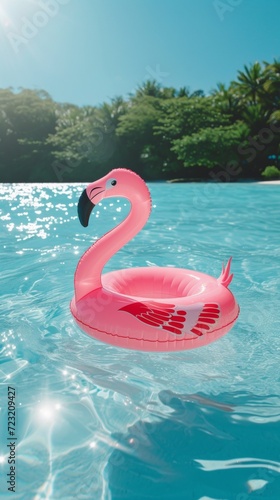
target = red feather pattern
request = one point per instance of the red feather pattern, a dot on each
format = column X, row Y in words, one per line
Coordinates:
column 174, row 319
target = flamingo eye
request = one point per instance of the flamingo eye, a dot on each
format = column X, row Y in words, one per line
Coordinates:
column 110, row 183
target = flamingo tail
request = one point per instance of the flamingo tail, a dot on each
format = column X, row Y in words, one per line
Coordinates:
column 225, row 277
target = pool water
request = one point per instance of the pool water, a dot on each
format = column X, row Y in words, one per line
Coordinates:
column 97, row 422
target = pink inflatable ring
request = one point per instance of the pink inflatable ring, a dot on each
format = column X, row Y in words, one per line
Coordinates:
column 149, row 309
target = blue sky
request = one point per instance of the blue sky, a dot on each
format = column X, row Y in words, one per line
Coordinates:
column 88, row 51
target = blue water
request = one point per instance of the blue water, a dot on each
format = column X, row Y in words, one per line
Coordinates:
column 97, row 422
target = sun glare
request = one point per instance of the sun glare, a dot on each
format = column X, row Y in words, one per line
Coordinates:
column 47, row 412
column 10, row 10
column 5, row 20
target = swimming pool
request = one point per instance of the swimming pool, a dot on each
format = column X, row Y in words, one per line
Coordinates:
column 97, row 422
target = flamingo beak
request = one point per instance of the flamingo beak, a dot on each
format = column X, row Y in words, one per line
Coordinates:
column 85, row 207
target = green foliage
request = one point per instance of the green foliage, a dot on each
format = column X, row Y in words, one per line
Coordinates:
column 83, row 138
column 186, row 116
column 159, row 132
column 26, row 120
column 228, row 102
column 271, row 173
column 137, row 124
column 250, row 83
column 211, row 146
column 136, row 134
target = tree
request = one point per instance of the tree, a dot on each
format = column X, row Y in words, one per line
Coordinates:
column 136, row 133
column 210, row 147
column 250, row 83
column 84, row 142
column 180, row 118
column 258, row 90
column 272, row 83
column 228, row 102
column 159, row 131
column 150, row 88
column 185, row 116
column 27, row 118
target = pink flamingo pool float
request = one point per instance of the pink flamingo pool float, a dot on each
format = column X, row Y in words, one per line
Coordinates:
column 144, row 308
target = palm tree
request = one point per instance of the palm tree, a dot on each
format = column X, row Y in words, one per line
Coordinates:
column 250, row 83
column 198, row 93
column 228, row 101
column 256, row 118
column 183, row 92
column 111, row 113
column 149, row 88
column 272, row 83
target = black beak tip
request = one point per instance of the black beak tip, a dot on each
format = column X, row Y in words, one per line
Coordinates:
column 85, row 207
column 84, row 224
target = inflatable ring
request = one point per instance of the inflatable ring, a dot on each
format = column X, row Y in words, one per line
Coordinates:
column 148, row 309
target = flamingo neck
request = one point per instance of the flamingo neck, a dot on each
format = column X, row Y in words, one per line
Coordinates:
column 88, row 273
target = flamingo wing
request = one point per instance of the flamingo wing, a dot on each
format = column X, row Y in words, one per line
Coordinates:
column 207, row 319
column 198, row 319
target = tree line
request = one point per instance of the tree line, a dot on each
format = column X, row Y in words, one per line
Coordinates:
column 159, row 132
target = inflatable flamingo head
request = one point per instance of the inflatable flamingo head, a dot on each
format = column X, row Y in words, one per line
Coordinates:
column 120, row 182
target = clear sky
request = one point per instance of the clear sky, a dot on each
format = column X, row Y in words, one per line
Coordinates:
column 88, row 51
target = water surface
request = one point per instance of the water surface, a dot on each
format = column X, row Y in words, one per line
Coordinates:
column 98, row 422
